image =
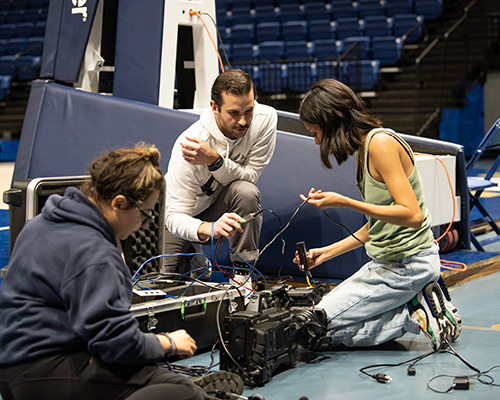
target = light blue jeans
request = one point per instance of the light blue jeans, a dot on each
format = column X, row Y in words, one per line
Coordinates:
column 370, row 307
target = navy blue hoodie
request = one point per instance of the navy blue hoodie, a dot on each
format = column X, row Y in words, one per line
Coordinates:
column 67, row 288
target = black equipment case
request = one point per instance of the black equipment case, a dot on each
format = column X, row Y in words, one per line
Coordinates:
column 190, row 306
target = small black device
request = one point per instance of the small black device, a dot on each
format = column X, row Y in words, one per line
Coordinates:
column 301, row 249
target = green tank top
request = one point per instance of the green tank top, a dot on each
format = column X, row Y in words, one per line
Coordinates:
column 389, row 241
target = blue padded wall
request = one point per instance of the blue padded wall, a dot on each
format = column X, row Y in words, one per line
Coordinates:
column 138, row 50
column 65, row 129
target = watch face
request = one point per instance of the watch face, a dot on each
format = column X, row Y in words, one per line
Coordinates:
column 216, row 165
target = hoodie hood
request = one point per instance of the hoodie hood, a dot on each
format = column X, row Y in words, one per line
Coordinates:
column 75, row 207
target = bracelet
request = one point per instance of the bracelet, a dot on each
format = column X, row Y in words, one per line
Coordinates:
column 216, row 165
column 171, row 350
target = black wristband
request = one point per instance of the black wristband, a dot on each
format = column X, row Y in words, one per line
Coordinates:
column 216, row 165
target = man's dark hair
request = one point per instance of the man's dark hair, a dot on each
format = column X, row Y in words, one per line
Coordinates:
column 233, row 81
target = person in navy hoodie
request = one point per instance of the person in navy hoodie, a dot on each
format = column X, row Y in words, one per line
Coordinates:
column 66, row 329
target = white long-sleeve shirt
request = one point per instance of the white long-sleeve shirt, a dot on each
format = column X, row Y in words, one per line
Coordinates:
column 244, row 159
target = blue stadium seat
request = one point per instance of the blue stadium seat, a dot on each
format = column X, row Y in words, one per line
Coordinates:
column 344, row 9
column 378, row 25
column 7, row 66
column 15, row 45
column 291, row 12
column 271, row 51
column 20, row 5
column 322, row 29
column 23, row 29
column 39, row 28
column 387, row 49
column 7, row 31
column 360, row 47
column 317, row 10
column 300, row 76
column 239, row 15
column 266, row 13
column 38, row 3
column 399, row 7
column 295, row 30
column 241, row 33
column 268, row 31
column 362, row 75
column 28, row 67
column 298, row 50
column 14, row 16
column 430, row 9
column 271, row 78
column 371, row 7
column 36, row 45
column 327, row 49
column 346, row 27
column 33, row 15
column 243, row 52
column 5, row 5
column 329, row 69
column 403, row 23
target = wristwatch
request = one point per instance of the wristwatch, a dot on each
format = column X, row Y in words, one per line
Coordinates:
column 216, row 165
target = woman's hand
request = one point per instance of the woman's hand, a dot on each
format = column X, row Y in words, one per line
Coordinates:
column 323, row 200
column 185, row 345
column 315, row 257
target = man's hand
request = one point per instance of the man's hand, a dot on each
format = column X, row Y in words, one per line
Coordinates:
column 226, row 226
column 197, row 152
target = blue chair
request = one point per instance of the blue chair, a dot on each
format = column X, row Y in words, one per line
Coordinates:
column 291, row 12
column 371, row 7
column 271, row 78
column 7, row 66
column 317, row 10
column 477, row 185
column 362, row 75
column 378, row 25
column 322, row 29
column 38, row 3
column 20, row 5
column 387, row 49
column 35, row 45
column 15, row 45
column 300, row 76
column 5, row 5
column 327, row 49
column 33, row 15
column 360, row 46
column 346, row 27
column 404, row 23
column 7, row 31
column 271, row 51
column 28, row 67
column 23, row 29
column 39, row 29
column 430, row 9
column 344, row 9
column 240, row 15
column 294, row 30
column 268, row 31
column 242, row 33
column 243, row 53
column 298, row 50
column 394, row 7
column 329, row 69
column 266, row 13
column 14, row 16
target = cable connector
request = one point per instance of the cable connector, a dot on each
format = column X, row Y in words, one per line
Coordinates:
column 192, row 12
column 461, row 383
column 250, row 216
column 411, row 371
column 382, row 378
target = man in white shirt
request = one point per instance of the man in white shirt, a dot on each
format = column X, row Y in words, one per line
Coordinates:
column 212, row 172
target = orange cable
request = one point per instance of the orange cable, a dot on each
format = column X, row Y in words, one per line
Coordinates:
column 191, row 13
